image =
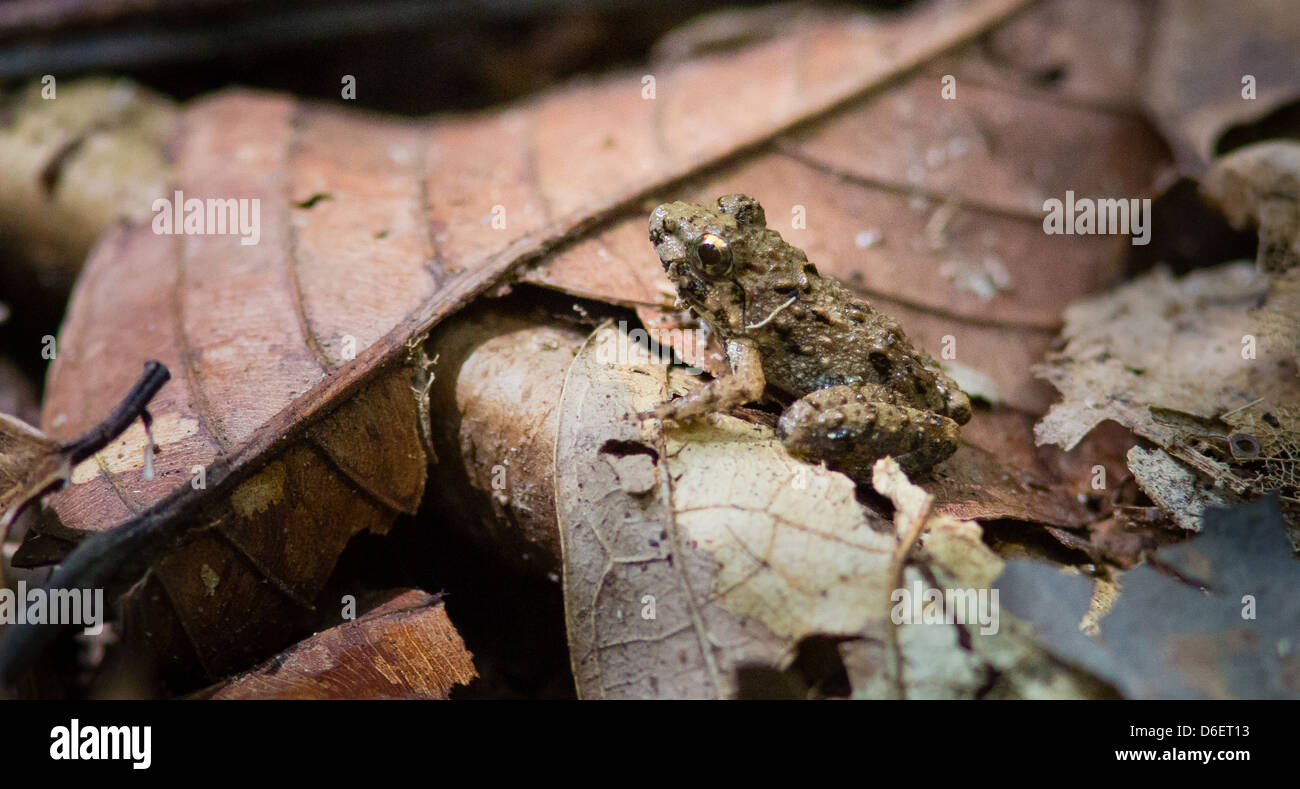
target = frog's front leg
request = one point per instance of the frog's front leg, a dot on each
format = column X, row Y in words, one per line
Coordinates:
column 850, row 427
column 744, row 385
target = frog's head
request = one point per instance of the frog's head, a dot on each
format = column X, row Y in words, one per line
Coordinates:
column 706, row 252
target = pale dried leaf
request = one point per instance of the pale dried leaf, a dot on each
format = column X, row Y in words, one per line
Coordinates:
column 1175, row 345
column 1260, row 185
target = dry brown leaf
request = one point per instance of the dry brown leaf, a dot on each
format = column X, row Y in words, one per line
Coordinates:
column 405, row 648
column 500, row 370
column 933, row 208
column 32, row 464
column 286, row 524
column 1082, row 53
column 372, row 231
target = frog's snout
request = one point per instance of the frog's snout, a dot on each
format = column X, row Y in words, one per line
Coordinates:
column 657, row 231
column 663, row 234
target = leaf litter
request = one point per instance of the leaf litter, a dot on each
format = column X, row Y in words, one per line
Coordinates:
column 741, row 556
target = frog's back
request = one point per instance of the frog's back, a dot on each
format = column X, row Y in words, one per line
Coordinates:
column 832, row 337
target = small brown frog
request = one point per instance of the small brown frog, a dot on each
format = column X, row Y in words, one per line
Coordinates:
column 854, row 388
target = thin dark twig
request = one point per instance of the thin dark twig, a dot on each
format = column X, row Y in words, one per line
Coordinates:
column 131, row 408
column 96, row 558
column 91, row 565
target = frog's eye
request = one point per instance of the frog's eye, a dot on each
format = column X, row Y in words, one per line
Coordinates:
column 714, row 254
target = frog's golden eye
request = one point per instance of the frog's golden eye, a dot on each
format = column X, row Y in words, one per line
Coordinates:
column 714, row 254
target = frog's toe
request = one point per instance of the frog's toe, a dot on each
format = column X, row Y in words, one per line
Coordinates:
column 959, row 406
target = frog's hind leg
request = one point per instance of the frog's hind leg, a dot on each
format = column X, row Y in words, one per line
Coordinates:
column 850, row 427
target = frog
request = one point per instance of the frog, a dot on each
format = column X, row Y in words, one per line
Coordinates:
column 852, row 387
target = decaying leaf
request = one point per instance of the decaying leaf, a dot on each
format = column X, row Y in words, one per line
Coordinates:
column 405, row 648
column 1175, row 488
column 965, row 558
column 1176, row 362
column 952, row 547
column 736, row 555
column 1226, row 629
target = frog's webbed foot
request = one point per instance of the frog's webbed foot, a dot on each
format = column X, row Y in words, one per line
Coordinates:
column 745, row 384
column 850, row 427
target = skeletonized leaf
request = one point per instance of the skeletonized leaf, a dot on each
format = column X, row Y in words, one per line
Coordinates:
column 1198, row 382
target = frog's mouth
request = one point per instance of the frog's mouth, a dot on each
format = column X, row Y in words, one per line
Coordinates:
column 690, row 288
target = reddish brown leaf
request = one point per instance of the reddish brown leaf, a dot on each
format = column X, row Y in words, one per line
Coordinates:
column 405, row 648
column 933, row 209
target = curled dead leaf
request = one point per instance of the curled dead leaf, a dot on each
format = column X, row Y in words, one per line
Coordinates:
column 1215, row 65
